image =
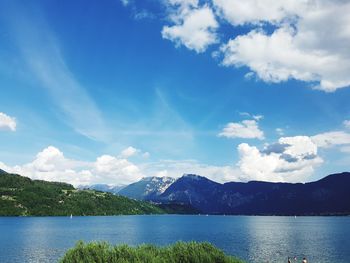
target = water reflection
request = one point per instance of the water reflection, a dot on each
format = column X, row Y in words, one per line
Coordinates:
column 273, row 239
column 255, row 239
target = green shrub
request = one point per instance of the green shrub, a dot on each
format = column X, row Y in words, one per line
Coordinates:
column 180, row 252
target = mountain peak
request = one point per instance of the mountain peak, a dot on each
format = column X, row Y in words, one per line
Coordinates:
column 194, row 177
column 147, row 188
column 157, row 179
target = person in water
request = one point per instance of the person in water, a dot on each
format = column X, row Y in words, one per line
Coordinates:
column 289, row 261
column 304, row 260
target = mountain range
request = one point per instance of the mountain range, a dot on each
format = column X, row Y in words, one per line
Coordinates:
column 191, row 194
column 328, row 196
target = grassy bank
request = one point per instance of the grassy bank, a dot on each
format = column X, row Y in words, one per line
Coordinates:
column 181, row 252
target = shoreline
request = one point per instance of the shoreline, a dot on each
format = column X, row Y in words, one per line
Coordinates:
column 203, row 215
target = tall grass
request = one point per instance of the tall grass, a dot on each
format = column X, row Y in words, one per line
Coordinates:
column 180, row 252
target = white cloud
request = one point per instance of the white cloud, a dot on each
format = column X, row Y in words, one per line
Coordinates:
column 305, row 48
column 257, row 117
column 330, row 139
column 248, row 129
column 280, row 131
column 7, row 122
column 239, row 12
column 125, row 2
column 193, row 28
column 300, row 42
column 345, row 149
column 146, row 155
column 176, row 168
column 113, row 169
column 130, row 151
column 50, row 164
column 292, row 159
column 347, row 124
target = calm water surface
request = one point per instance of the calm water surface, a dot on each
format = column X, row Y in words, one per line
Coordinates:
column 253, row 238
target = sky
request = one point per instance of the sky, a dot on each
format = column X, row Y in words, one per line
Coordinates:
column 113, row 91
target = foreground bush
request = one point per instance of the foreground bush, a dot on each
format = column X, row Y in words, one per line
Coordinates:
column 181, row 252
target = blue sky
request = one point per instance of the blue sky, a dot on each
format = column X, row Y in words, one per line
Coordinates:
column 172, row 87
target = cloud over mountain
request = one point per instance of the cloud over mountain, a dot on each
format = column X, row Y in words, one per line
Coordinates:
column 291, row 159
column 50, row 164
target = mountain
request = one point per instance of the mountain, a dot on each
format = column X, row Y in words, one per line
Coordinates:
column 194, row 190
column 114, row 189
column 190, row 194
column 2, row 172
column 148, row 188
column 327, row 196
column 21, row 196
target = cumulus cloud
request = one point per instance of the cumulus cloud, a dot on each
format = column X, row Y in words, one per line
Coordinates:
column 287, row 39
column 247, row 129
column 193, row 26
column 7, row 122
column 116, row 170
column 257, row 11
column 50, row 164
column 304, row 45
column 332, row 138
column 176, row 168
column 347, row 124
column 130, row 151
column 291, row 159
column 279, row 131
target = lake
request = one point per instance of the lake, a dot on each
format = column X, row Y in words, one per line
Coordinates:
column 252, row 238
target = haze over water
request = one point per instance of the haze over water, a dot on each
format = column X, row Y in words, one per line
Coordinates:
column 252, row 238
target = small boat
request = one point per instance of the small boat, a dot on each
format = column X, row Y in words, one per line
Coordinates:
column 71, row 216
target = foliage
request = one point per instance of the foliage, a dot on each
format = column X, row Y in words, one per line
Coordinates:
column 21, row 196
column 176, row 208
column 180, row 252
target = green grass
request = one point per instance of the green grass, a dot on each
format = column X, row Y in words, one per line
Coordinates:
column 180, row 252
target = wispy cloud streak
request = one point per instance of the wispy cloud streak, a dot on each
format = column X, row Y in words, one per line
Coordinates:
column 41, row 53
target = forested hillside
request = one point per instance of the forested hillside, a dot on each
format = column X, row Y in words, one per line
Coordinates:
column 21, row 196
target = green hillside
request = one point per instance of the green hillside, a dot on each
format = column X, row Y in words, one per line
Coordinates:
column 21, row 196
